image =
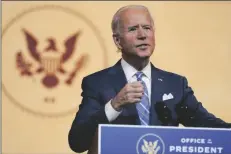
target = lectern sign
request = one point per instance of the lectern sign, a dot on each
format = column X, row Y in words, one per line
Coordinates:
column 124, row 139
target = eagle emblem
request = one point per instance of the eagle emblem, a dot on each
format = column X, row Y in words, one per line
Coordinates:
column 50, row 61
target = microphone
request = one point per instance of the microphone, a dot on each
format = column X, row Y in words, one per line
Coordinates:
column 185, row 114
column 164, row 113
column 188, row 117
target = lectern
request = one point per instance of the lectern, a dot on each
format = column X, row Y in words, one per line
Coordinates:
column 129, row 139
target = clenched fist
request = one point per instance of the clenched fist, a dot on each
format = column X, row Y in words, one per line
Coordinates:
column 131, row 93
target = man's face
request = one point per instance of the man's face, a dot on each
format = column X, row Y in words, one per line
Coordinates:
column 136, row 33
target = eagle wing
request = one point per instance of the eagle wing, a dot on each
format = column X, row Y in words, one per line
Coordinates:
column 70, row 46
column 22, row 65
column 31, row 45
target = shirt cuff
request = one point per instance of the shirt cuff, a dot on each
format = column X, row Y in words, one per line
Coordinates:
column 110, row 112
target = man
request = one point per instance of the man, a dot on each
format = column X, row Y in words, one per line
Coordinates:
column 134, row 91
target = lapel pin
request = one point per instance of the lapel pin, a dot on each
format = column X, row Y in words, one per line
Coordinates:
column 160, row 79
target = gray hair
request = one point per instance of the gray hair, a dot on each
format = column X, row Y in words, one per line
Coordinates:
column 115, row 24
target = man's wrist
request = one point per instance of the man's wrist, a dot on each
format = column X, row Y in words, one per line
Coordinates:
column 116, row 106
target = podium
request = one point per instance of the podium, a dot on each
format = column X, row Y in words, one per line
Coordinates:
column 129, row 139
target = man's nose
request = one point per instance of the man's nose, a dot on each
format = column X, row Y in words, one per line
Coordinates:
column 141, row 34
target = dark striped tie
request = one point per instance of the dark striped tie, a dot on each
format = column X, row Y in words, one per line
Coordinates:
column 143, row 106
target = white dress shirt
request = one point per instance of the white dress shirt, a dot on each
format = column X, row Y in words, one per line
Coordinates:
column 129, row 72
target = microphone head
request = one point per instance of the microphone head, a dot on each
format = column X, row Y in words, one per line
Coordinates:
column 163, row 112
column 185, row 114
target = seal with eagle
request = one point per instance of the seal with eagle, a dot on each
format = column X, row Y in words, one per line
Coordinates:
column 48, row 64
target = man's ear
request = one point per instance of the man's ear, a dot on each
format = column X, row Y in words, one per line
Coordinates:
column 117, row 41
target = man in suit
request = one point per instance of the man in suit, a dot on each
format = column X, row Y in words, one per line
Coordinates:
column 134, row 91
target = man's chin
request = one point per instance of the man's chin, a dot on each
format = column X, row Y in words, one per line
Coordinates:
column 144, row 55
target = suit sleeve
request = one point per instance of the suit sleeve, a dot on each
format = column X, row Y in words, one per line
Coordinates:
column 192, row 113
column 91, row 113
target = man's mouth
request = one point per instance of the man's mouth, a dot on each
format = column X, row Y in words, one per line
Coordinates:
column 142, row 45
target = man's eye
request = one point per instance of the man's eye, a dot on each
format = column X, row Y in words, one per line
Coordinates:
column 132, row 29
column 147, row 28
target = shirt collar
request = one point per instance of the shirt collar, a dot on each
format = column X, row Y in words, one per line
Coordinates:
column 130, row 70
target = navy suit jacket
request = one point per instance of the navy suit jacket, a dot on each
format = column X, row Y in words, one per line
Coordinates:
column 102, row 86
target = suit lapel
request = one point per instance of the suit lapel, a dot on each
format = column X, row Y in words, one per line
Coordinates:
column 117, row 77
column 156, row 88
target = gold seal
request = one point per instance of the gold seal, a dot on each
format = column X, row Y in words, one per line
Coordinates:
column 46, row 52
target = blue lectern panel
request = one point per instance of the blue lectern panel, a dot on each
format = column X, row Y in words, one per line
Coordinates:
column 125, row 139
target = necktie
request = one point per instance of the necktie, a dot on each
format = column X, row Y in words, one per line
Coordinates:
column 143, row 106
